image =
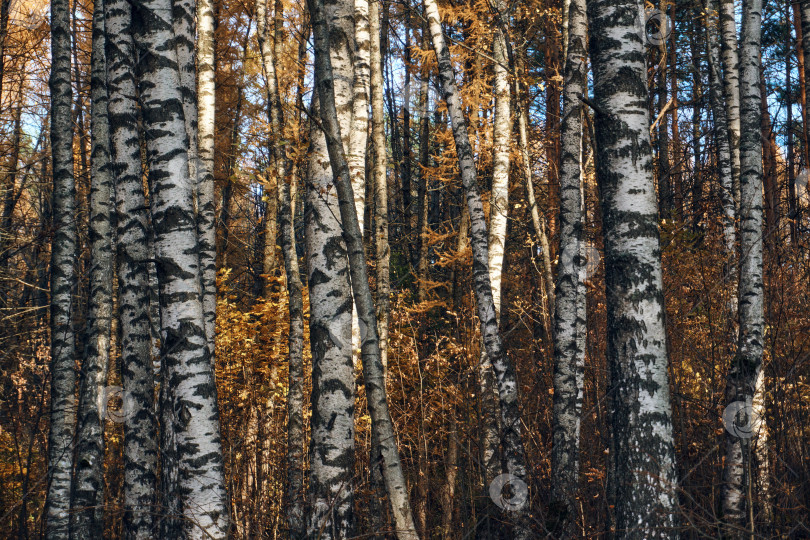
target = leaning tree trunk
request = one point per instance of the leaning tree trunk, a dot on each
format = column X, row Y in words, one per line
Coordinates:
column 63, row 280
column 745, row 367
column 372, row 367
column 504, row 371
column 569, row 320
column 643, row 476
column 498, row 213
column 87, row 494
column 333, row 385
column 188, row 389
column 731, row 88
column 140, row 423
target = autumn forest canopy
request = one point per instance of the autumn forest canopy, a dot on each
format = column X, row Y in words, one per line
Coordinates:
column 404, row 269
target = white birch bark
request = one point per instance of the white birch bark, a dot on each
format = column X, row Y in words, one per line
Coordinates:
column 746, row 366
column 731, row 88
column 188, row 387
column 372, row 367
column 63, row 280
column 643, row 475
column 569, row 321
column 87, row 492
column 333, row 387
column 134, row 287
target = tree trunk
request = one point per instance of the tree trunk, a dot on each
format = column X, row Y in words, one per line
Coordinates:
column 206, row 211
column 188, row 387
column 333, row 386
column 797, row 27
column 87, row 497
column 504, row 371
column 570, row 319
column 327, row 86
column 383, row 251
column 63, row 280
column 643, row 475
column 721, row 131
column 731, row 88
column 140, row 424
column 745, row 367
column 770, row 174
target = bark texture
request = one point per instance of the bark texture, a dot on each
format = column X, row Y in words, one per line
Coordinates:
column 642, row 476
column 569, row 320
column 134, row 289
column 731, row 88
column 87, row 493
column 745, row 367
column 189, row 407
column 374, row 378
column 63, row 280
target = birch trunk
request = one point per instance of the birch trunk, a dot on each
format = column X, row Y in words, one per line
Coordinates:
column 134, row 288
column 206, row 211
column 383, row 252
column 63, row 280
column 188, row 387
column 330, row 296
column 721, row 130
column 87, row 496
column 569, row 320
column 731, row 88
column 499, row 207
column 504, row 371
column 745, row 367
column 327, row 87
column 643, row 475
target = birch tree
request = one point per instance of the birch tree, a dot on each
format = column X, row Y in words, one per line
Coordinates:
column 188, row 387
column 333, row 386
column 504, row 371
column 642, row 471
column 746, row 366
column 63, row 280
column 134, row 289
column 327, row 86
column 569, row 320
column 731, row 88
column 87, row 493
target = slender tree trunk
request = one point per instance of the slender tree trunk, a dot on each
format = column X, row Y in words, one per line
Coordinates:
column 140, row 424
column 373, row 373
column 569, row 321
column 721, row 131
column 449, row 488
column 189, row 403
column 383, row 251
column 770, row 174
column 745, row 367
column 797, row 27
column 206, row 211
column 731, row 88
column 63, row 280
column 499, row 209
column 87, row 497
column 662, row 139
column 504, row 371
column 333, row 387
column 643, row 475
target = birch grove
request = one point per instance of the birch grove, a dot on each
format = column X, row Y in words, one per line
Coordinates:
column 372, row 269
